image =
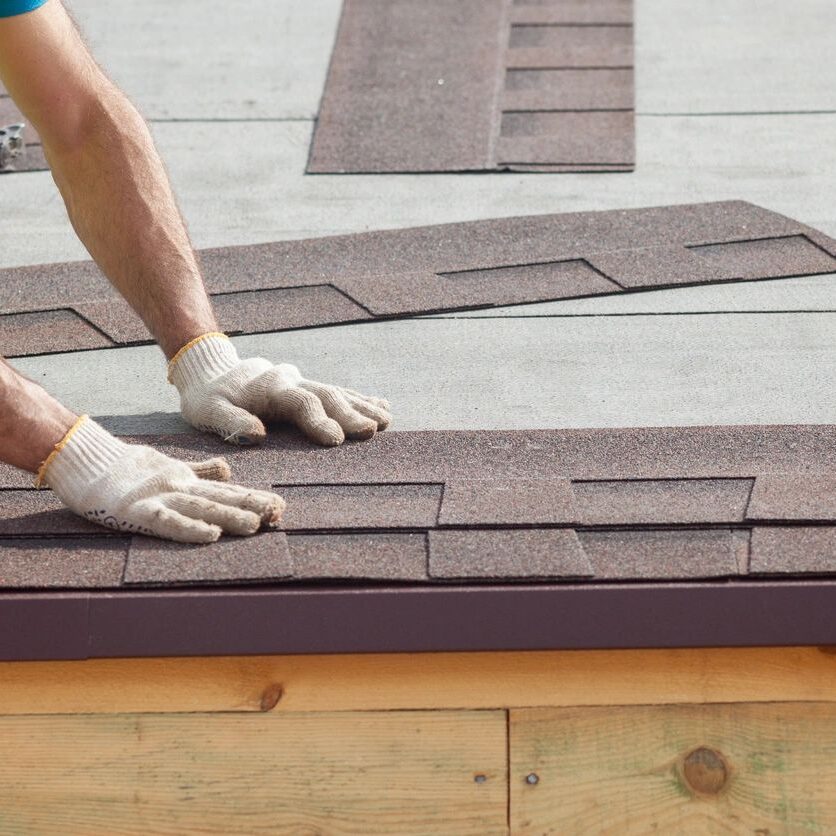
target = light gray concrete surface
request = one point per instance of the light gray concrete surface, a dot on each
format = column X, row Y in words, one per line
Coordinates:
column 215, row 59
column 508, row 373
column 783, row 163
column 739, row 56
column 209, row 59
column 806, row 293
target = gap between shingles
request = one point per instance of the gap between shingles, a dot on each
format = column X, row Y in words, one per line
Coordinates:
column 642, row 313
column 210, row 120
column 731, row 112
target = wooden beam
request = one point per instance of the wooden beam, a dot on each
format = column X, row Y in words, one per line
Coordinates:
column 370, row 772
column 418, row 681
column 768, row 768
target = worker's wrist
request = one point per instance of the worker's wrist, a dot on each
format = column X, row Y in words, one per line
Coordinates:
column 84, row 454
column 202, row 360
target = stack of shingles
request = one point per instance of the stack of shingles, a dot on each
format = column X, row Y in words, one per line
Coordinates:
column 558, row 505
column 32, row 157
column 478, row 85
column 375, row 275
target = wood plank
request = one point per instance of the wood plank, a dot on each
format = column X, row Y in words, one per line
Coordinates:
column 707, row 769
column 384, row 773
column 416, row 681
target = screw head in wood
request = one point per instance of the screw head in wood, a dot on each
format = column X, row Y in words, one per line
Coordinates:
column 532, row 778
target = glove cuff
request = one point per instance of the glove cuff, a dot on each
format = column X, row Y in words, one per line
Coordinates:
column 85, row 453
column 202, row 360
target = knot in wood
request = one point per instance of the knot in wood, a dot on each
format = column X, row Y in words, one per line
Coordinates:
column 271, row 696
column 705, row 771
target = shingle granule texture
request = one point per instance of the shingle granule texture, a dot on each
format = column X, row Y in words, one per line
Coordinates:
column 398, row 273
column 478, row 85
column 480, row 507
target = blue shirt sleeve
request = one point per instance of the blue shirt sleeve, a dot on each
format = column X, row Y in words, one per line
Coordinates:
column 10, row 8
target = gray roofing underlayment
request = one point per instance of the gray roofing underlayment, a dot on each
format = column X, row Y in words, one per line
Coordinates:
column 478, row 85
column 701, row 520
column 395, row 273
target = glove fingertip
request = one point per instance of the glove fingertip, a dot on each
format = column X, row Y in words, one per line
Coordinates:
column 273, row 511
column 215, row 470
column 330, row 435
column 247, row 436
column 364, row 432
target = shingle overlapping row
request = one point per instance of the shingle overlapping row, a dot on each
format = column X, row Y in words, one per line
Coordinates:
column 397, row 273
column 479, row 85
column 667, row 504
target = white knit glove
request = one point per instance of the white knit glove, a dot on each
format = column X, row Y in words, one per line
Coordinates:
column 222, row 394
column 136, row 489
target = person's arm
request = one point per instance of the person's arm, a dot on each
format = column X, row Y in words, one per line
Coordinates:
column 32, row 422
column 106, row 167
column 130, row 488
column 120, row 202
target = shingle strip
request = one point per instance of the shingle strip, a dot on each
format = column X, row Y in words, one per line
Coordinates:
column 658, row 503
column 650, row 501
column 793, row 550
column 661, row 554
column 537, row 45
column 793, row 496
column 418, row 87
column 53, row 563
column 366, row 556
column 569, row 89
column 508, row 502
column 261, row 557
column 412, row 87
column 572, row 11
column 45, row 332
column 388, row 264
column 360, row 506
column 40, row 512
column 507, row 554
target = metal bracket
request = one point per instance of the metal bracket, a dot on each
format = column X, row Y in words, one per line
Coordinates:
column 11, row 145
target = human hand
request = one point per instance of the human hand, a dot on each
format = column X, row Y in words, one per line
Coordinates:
column 222, row 394
column 135, row 489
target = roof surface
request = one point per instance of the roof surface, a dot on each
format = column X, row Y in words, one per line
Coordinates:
column 478, row 85
column 395, row 273
column 420, row 528
column 664, row 504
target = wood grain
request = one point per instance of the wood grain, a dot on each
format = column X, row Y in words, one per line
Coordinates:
column 371, row 773
column 708, row 769
column 417, row 681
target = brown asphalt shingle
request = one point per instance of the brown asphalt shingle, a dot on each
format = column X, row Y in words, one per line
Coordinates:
column 793, row 550
column 395, row 273
column 262, row 557
column 426, row 86
column 663, row 504
column 45, row 332
column 31, row 158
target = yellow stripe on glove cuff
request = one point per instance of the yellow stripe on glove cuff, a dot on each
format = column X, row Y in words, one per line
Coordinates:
column 41, row 475
column 191, row 344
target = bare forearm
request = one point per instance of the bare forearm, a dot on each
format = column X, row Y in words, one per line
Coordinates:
column 120, row 203
column 31, row 421
column 109, row 173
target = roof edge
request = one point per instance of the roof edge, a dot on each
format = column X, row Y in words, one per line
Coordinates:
column 282, row 620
